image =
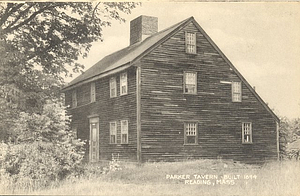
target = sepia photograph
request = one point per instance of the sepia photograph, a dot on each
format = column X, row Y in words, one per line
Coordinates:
column 149, row 98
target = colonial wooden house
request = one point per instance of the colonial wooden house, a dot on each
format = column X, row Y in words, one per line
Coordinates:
column 170, row 95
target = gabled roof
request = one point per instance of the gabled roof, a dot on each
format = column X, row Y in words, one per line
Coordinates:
column 125, row 55
column 134, row 52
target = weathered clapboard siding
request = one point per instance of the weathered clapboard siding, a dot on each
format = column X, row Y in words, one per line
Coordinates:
column 165, row 108
column 109, row 109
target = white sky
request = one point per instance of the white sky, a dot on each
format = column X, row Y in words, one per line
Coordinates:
column 262, row 40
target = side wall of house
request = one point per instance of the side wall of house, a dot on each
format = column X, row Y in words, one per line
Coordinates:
column 108, row 109
column 165, row 108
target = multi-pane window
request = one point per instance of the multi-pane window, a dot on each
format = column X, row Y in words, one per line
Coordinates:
column 190, row 83
column 190, row 42
column 246, row 132
column 123, row 83
column 124, row 131
column 190, row 133
column 93, row 92
column 118, row 132
column 236, row 91
column 113, row 132
column 113, row 87
column 74, row 99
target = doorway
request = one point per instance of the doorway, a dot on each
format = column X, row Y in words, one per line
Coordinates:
column 94, row 140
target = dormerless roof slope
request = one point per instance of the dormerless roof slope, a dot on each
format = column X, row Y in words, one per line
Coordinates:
column 124, row 56
column 133, row 52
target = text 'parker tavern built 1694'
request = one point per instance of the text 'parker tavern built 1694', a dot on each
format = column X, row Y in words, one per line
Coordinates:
column 170, row 95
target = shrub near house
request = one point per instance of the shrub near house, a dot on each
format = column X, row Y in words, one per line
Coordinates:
column 293, row 150
column 43, row 152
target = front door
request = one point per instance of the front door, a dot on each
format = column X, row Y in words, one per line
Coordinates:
column 94, row 140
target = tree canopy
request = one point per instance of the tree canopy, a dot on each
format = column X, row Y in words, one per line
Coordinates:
column 41, row 41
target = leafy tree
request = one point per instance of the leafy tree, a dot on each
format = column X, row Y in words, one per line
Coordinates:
column 40, row 43
column 50, row 36
column 9, row 112
column 289, row 131
column 284, row 134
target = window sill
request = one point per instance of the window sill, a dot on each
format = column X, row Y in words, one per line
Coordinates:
column 190, row 93
column 123, row 94
column 118, row 144
column 81, row 105
column 189, row 53
column 247, row 143
column 190, row 144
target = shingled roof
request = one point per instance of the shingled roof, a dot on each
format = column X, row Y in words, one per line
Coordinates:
column 125, row 55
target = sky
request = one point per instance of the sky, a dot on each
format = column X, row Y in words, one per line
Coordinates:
column 262, row 40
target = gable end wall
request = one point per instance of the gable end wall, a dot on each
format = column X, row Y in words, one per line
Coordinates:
column 165, row 108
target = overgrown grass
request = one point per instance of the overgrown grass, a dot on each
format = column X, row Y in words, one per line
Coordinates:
column 278, row 178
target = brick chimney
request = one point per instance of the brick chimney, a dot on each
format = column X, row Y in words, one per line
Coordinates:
column 142, row 27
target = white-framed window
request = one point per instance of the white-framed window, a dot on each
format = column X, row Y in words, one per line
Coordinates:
column 113, row 132
column 190, row 43
column 191, row 133
column 93, row 92
column 246, row 132
column 236, row 91
column 113, row 87
column 123, row 83
column 74, row 98
column 124, row 131
column 190, row 82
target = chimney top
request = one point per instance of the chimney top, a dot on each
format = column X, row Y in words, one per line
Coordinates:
column 142, row 27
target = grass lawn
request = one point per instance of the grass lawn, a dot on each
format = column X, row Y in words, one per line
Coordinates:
column 201, row 177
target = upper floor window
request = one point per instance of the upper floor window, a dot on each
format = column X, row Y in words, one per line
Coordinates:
column 124, row 131
column 236, row 91
column 93, row 92
column 190, row 82
column 74, row 99
column 190, row 133
column 123, row 83
column 246, row 132
column 190, row 42
column 113, row 132
column 113, row 87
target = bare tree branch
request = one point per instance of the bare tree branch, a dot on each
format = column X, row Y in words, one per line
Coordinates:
column 95, row 9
